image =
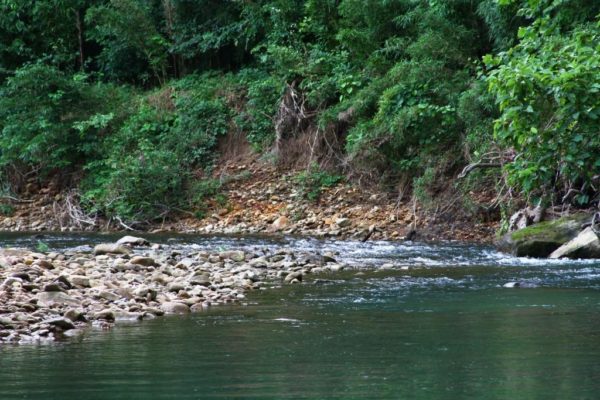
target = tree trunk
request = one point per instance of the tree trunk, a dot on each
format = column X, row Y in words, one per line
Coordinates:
column 79, row 24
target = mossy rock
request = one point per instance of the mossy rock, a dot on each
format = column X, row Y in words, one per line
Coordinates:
column 541, row 239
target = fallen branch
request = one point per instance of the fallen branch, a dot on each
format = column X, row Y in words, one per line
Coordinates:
column 120, row 221
column 478, row 165
column 15, row 199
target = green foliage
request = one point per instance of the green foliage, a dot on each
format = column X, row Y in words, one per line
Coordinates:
column 406, row 74
column 312, row 182
column 51, row 120
column 263, row 92
column 548, row 91
column 6, row 210
column 42, row 247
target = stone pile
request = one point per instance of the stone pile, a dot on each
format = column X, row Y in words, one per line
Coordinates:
column 47, row 296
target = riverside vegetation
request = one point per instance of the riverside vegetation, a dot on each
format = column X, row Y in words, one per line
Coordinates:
column 132, row 107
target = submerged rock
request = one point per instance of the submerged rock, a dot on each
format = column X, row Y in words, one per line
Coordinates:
column 173, row 307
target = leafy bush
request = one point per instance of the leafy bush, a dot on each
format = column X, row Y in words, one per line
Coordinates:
column 312, row 182
column 548, row 91
column 6, row 210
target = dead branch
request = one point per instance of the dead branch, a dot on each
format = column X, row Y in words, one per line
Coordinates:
column 478, row 165
column 15, row 199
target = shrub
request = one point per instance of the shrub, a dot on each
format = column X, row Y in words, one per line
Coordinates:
column 313, row 181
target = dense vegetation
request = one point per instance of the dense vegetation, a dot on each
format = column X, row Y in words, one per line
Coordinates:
column 130, row 97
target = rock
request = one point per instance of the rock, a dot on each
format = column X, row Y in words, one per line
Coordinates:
column 106, row 314
column 60, row 322
column 280, row 223
column 53, row 287
column 105, row 294
column 74, row 333
column 110, row 248
column 173, row 307
column 144, row 261
column 297, row 276
column 44, row 264
column 75, row 315
column 128, row 316
column 540, row 240
column 48, row 299
column 234, row 255
column 584, row 245
column 343, row 222
column 202, row 278
column 198, row 307
column 175, row 286
column 524, row 285
column 79, row 280
column 133, row 241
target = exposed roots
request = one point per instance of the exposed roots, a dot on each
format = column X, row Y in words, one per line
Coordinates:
column 69, row 213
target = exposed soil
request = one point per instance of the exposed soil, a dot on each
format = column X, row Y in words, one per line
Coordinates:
column 260, row 198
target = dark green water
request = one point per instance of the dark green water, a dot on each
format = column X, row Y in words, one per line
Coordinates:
column 444, row 329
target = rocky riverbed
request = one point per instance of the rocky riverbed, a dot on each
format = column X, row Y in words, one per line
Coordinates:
column 50, row 296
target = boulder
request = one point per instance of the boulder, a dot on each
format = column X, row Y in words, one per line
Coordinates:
column 110, row 248
column 133, row 241
column 540, row 240
column 584, row 245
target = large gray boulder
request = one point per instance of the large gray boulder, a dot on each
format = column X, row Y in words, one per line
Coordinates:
column 584, row 245
column 541, row 239
column 133, row 241
column 110, row 248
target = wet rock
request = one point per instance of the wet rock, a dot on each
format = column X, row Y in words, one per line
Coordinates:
column 60, row 322
column 124, row 316
column 106, row 315
column 297, row 276
column 173, row 307
column 133, row 241
column 110, row 248
column 75, row 315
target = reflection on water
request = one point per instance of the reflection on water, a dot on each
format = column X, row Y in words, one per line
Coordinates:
column 442, row 329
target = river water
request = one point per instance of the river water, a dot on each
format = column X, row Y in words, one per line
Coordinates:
column 413, row 321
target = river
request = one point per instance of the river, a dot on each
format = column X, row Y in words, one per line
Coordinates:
column 413, row 321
